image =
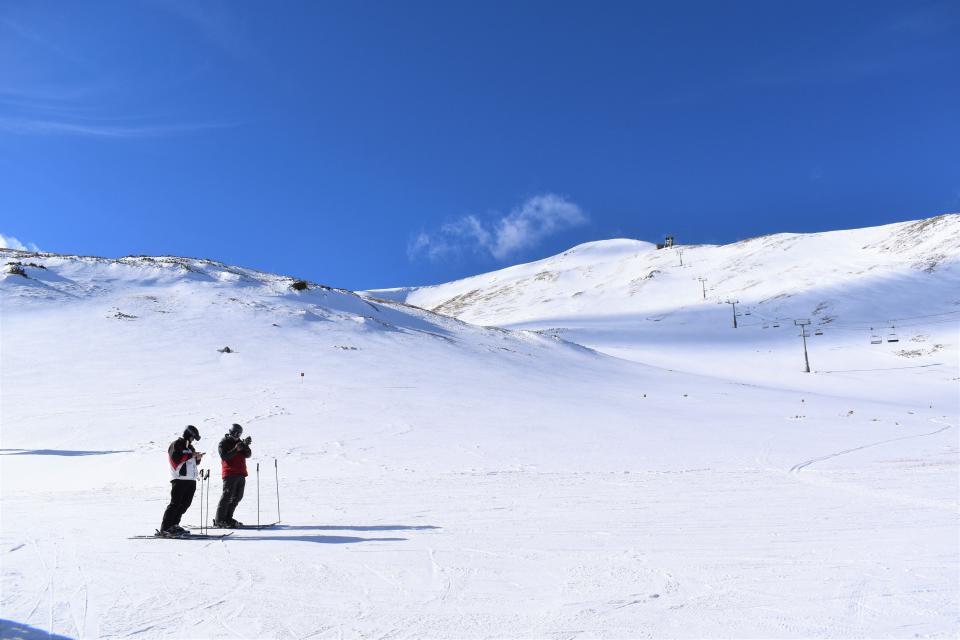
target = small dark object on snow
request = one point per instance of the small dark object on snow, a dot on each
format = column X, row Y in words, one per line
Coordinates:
column 225, row 350
column 16, row 270
column 299, row 285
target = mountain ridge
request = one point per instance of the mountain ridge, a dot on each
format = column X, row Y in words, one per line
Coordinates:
column 925, row 245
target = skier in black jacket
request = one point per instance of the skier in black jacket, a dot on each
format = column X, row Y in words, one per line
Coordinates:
column 233, row 455
column 183, row 460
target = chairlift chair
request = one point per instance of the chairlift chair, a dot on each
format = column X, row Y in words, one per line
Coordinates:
column 875, row 337
column 776, row 324
column 892, row 336
column 818, row 332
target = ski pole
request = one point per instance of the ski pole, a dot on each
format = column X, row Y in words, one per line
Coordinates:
column 202, row 519
column 258, row 495
column 276, row 474
column 206, row 526
column 201, row 501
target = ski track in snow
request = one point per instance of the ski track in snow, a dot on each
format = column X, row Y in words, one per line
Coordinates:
column 803, row 465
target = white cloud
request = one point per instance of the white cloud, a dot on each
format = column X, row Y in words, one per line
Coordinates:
column 523, row 228
column 22, row 126
column 9, row 242
column 434, row 248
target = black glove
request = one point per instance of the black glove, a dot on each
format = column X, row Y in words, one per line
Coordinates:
column 247, row 440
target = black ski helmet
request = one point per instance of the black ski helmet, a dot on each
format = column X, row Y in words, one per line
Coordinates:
column 191, row 432
column 236, row 430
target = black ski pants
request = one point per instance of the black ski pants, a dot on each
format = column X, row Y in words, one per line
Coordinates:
column 181, row 495
column 232, row 495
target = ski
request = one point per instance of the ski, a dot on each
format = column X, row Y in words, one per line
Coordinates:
column 244, row 526
column 198, row 536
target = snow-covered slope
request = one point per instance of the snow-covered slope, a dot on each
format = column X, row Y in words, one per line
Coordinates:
column 779, row 275
column 626, row 298
column 440, row 479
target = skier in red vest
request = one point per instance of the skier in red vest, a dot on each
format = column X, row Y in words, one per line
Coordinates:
column 233, row 455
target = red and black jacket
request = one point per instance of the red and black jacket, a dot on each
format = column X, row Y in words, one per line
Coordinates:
column 233, row 456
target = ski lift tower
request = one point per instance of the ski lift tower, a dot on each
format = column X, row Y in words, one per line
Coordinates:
column 734, row 303
column 666, row 244
column 803, row 333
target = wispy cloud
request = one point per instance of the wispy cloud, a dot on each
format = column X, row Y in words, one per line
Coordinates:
column 215, row 20
column 26, row 126
column 9, row 242
column 504, row 236
column 46, row 43
column 46, row 99
column 96, row 101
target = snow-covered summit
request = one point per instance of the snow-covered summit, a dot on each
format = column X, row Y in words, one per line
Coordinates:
column 781, row 274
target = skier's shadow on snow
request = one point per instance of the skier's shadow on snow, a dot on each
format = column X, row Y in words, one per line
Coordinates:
column 322, row 539
column 318, row 539
column 20, row 631
column 57, row 452
column 348, row 527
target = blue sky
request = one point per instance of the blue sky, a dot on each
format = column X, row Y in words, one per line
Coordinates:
column 366, row 144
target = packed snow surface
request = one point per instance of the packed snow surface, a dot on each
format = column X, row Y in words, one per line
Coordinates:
column 447, row 480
